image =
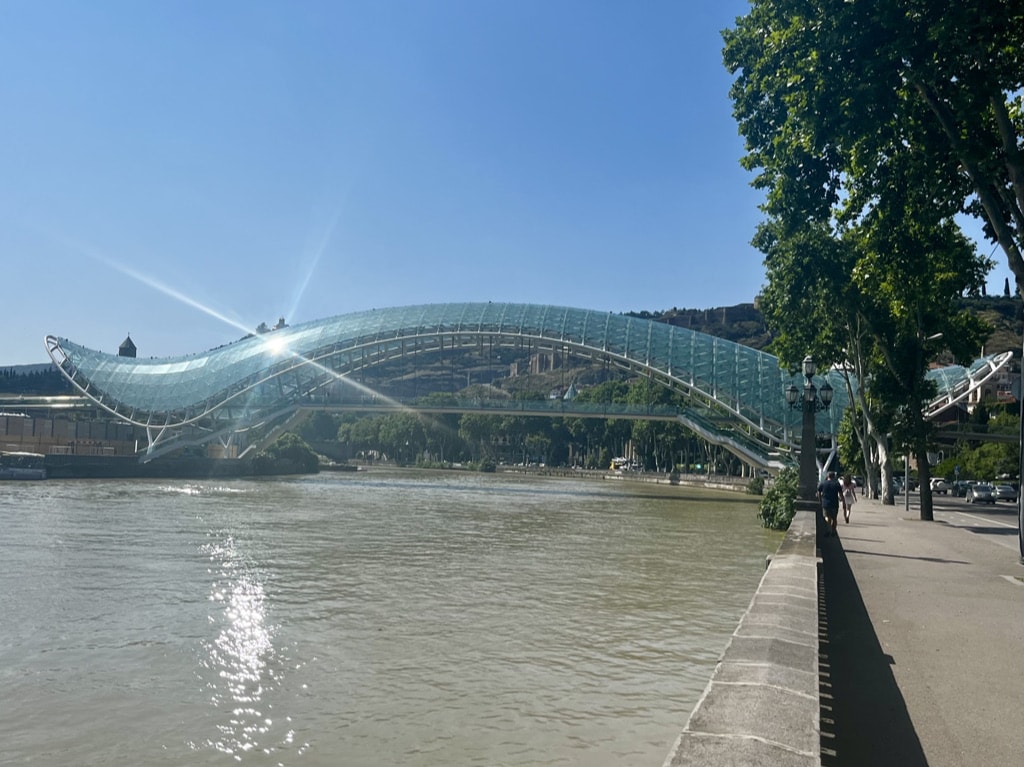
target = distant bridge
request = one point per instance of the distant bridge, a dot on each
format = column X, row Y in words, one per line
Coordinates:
column 733, row 394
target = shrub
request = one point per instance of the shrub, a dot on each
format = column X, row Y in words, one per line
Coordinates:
column 289, row 454
column 756, row 486
column 778, row 505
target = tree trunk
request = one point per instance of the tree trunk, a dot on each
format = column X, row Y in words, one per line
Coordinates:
column 881, row 446
column 924, row 476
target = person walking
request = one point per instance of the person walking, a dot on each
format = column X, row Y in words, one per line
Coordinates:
column 849, row 496
column 829, row 493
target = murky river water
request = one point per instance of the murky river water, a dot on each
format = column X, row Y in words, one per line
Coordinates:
column 363, row 619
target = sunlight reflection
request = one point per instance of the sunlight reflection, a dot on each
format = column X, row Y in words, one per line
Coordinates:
column 239, row 657
column 275, row 342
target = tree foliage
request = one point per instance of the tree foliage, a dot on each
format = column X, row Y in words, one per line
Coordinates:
column 986, row 459
column 840, row 102
column 511, row 437
column 870, row 127
column 778, row 505
column 288, row 454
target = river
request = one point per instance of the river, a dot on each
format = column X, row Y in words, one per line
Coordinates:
column 372, row 618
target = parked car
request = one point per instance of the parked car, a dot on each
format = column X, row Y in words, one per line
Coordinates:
column 940, row 485
column 982, row 492
column 1006, row 493
column 961, row 487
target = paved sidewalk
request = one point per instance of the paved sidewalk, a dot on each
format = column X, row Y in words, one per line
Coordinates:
column 922, row 641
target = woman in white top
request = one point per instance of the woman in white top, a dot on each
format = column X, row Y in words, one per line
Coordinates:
column 849, row 496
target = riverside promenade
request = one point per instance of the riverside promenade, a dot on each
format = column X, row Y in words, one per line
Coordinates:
column 896, row 643
column 922, row 637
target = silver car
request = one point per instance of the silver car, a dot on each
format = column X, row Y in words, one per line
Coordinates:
column 981, row 493
column 1006, row 493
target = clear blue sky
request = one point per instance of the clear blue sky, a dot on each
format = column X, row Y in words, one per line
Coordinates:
column 185, row 170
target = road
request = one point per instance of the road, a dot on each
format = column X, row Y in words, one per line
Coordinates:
column 997, row 521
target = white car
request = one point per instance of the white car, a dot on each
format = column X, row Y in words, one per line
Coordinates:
column 940, row 485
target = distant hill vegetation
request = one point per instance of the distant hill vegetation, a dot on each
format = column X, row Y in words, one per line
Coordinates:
column 1005, row 315
column 744, row 323
column 33, row 379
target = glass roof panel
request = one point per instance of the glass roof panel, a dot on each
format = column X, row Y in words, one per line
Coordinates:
column 742, row 379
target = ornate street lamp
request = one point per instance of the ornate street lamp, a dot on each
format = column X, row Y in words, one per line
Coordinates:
column 812, row 400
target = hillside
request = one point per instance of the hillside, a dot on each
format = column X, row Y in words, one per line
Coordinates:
column 1007, row 318
column 744, row 323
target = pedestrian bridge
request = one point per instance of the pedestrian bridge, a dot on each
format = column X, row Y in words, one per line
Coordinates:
column 734, row 394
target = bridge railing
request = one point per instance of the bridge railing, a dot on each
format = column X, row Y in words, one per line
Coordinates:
column 724, row 433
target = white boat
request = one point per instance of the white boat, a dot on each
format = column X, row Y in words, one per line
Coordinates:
column 22, row 465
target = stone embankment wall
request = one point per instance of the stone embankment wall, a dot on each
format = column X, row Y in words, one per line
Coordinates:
column 710, row 481
column 762, row 705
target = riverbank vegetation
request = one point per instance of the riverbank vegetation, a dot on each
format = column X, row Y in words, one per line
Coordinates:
column 484, row 440
column 778, row 505
column 288, row 454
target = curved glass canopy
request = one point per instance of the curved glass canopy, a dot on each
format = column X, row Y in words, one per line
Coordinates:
column 249, row 379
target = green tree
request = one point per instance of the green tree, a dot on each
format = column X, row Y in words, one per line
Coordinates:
column 402, row 436
column 778, row 504
column 360, row 432
column 851, row 446
column 613, row 433
column 587, row 438
column 991, row 458
column 913, row 268
column 289, row 453
column 655, row 441
column 831, row 95
column 862, row 174
column 477, row 429
column 320, row 427
column 879, row 296
column 441, row 431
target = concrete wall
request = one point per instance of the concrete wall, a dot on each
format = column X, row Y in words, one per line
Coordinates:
column 762, row 705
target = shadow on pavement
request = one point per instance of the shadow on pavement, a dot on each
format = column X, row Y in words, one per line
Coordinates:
column 938, row 560
column 864, row 719
column 1005, row 531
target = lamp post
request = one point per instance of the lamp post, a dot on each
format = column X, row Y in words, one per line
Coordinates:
column 810, row 401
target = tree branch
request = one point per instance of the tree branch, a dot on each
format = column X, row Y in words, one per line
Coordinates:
column 1014, row 161
column 990, row 201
